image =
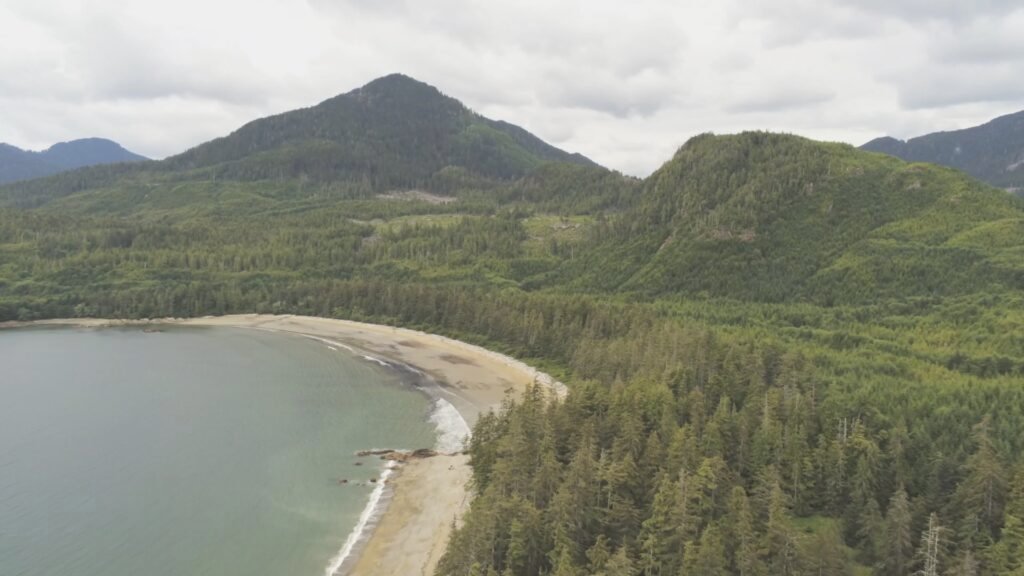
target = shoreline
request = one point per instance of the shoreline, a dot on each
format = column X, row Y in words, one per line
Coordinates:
column 452, row 433
column 408, row 524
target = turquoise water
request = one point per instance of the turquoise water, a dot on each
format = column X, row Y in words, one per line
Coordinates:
column 188, row 452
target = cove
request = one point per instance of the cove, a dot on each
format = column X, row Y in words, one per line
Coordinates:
column 188, row 450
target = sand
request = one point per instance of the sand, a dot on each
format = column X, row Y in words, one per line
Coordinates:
column 411, row 536
column 427, row 494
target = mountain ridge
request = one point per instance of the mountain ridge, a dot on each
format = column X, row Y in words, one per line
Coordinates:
column 17, row 164
column 992, row 152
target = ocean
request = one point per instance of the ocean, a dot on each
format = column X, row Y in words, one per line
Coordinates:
column 199, row 451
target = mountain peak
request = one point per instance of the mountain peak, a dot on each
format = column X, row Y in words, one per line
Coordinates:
column 396, row 81
column 83, row 142
column 394, row 132
column 88, row 152
column 886, row 145
column 403, row 94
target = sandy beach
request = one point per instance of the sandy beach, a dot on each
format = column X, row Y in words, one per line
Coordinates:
column 425, row 494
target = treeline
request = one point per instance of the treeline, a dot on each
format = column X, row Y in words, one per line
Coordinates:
column 53, row 259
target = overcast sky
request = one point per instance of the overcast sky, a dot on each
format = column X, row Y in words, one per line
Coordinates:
column 624, row 83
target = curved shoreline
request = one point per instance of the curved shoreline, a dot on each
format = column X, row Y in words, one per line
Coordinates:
column 452, row 433
column 425, row 495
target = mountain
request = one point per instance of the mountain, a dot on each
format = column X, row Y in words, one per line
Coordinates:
column 395, row 133
column 770, row 217
column 17, row 164
column 88, row 152
column 992, row 152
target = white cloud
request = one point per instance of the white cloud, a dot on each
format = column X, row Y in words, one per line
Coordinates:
column 624, row 83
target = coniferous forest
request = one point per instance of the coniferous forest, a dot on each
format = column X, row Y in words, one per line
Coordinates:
column 785, row 357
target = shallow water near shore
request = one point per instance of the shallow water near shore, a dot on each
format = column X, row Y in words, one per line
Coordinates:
column 189, row 451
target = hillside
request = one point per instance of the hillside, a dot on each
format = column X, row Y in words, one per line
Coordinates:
column 992, row 152
column 395, row 133
column 771, row 217
column 17, row 164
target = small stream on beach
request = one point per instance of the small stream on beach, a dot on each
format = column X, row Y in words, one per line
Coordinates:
column 199, row 451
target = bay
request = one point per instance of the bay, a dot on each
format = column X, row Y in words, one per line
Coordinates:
column 201, row 451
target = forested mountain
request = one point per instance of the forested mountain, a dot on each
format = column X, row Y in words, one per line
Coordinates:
column 992, row 152
column 395, row 133
column 17, row 164
column 772, row 217
column 785, row 357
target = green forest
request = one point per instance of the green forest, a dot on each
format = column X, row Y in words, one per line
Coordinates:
column 784, row 357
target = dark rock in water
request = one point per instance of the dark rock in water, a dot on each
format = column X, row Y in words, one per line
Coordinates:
column 399, row 455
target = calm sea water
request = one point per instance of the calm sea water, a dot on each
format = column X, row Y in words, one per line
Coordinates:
column 189, row 451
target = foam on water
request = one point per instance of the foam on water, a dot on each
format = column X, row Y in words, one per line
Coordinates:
column 376, row 360
column 368, row 517
column 329, row 343
column 452, row 429
column 334, row 345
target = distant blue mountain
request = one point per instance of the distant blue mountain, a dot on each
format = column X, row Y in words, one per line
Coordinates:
column 17, row 164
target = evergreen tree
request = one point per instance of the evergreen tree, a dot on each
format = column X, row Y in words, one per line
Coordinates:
column 706, row 557
column 967, row 565
column 1007, row 555
column 574, row 509
column 897, row 552
column 740, row 535
column 673, row 522
column 981, row 495
column 598, row 555
column 823, row 554
column 779, row 543
column 620, row 564
column 564, row 564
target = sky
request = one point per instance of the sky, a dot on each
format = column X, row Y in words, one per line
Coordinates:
column 625, row 83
